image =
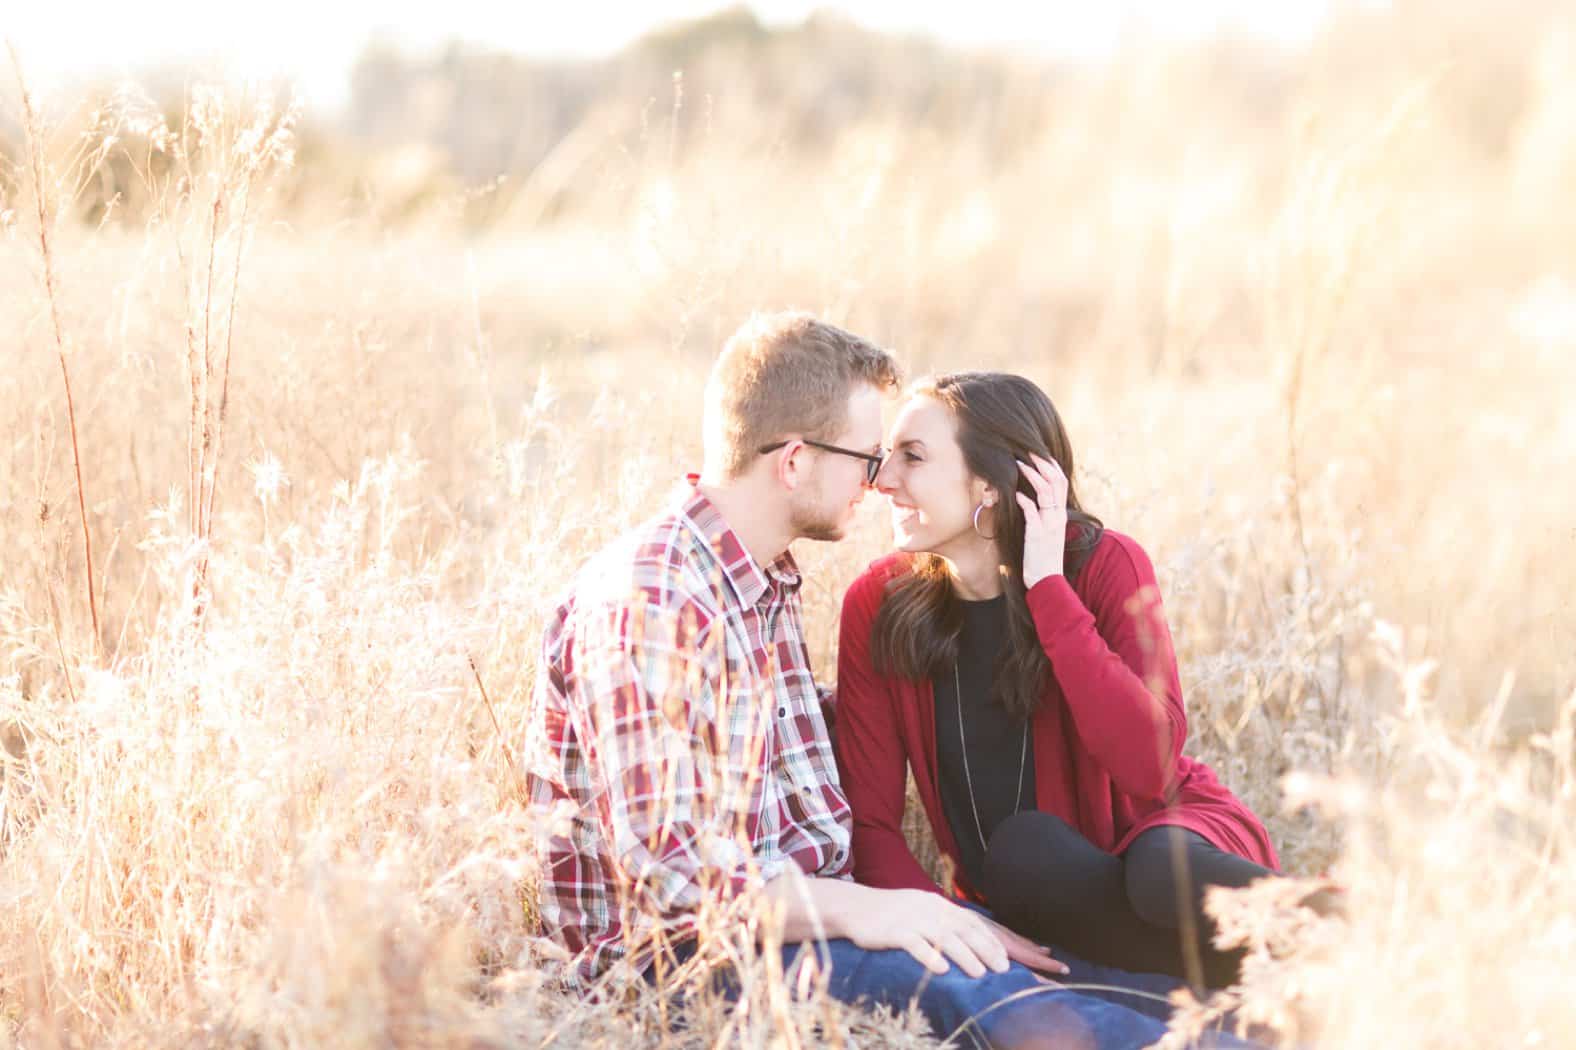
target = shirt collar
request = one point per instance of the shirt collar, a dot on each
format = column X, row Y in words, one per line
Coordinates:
column 749, row 581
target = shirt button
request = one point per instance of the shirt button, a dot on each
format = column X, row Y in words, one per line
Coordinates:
column 782, row 712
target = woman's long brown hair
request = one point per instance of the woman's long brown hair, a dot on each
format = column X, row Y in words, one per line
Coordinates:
column 999, row 419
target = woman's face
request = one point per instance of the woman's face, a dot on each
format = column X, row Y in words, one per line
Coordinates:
column 933, row 494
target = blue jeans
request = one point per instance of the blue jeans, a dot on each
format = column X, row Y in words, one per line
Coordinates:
column 1095, row 1007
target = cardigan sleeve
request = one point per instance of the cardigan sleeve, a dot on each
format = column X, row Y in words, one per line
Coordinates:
column 871, row 759
column 1114, row 662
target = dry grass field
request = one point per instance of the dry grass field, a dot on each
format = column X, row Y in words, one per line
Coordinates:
column 1310, row 317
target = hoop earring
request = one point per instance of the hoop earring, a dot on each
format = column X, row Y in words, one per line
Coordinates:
column 977, row 531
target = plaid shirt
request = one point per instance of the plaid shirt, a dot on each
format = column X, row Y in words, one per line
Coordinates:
column 677, row 747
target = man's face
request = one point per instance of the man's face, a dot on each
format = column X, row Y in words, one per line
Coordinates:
column 824, row 507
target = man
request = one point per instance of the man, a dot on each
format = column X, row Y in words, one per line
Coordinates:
column 678, row 746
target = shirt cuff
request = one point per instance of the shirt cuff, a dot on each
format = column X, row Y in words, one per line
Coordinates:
column 1056, row 605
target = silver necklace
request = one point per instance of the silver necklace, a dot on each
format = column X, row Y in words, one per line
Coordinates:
column 968, row 779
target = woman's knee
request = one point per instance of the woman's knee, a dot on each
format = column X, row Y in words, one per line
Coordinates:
column 1026, row 853
column 1156, row 871
column 1026, row 841
column 1031, row 827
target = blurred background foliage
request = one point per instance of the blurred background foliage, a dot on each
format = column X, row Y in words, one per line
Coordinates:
column 506, row 136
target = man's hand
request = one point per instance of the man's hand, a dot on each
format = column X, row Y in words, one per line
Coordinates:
column 1022, row 950
column 930, row 928
column 926, row 925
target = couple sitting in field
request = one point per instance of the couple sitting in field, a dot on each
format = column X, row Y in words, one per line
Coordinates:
column 1012, row 656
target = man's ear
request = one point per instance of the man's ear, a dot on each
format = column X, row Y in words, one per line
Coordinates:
column 790, row 463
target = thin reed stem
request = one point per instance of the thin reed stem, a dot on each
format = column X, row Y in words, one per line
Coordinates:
column 204, row 440
column 229, row 342
column 508, row 753
column 35, row 151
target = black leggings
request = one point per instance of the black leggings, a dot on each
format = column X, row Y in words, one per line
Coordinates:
column 1048, row 882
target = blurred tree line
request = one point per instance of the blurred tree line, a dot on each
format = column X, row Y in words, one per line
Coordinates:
column 475, row 114
column 473, row 131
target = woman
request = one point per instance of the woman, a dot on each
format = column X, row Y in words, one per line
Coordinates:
column 1014, row 656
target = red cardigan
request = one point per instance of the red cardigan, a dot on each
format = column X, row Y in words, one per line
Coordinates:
column 1108, row 734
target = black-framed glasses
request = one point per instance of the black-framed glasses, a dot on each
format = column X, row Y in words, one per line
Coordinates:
column 873, row 460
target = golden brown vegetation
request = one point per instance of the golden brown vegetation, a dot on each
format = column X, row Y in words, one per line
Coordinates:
column 1309, row 317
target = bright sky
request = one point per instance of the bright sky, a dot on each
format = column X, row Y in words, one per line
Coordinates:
column 315, row 41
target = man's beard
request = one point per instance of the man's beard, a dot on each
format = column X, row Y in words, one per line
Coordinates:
column 810, row 521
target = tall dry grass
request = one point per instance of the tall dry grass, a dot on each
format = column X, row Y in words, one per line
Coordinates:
column 260, row 778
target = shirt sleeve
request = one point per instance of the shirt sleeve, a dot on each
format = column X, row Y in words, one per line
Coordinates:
column 1115, row 665
column 871, row 759
column 673, row 792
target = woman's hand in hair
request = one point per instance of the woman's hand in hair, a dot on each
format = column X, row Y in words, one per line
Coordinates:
column 1044, row 520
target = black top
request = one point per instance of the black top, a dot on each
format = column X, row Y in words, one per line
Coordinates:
column 996, row 740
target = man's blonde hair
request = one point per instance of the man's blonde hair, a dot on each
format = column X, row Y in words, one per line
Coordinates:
column 785, row 374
